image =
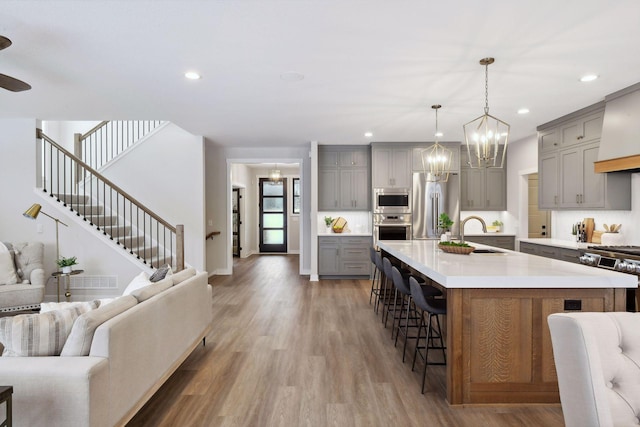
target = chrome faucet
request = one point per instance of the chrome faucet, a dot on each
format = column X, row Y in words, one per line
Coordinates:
column 464, row 221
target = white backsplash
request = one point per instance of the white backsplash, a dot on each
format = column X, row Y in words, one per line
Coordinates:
column 561, row 221
column 357, row 221
column 474, row 227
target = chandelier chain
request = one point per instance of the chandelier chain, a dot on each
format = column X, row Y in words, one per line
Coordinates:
column 486, row 89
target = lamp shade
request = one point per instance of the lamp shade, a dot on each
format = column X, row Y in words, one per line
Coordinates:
column 33, row 211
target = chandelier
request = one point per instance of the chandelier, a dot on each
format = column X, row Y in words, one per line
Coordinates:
column 275, row 176
column 487, row 136
column 436, row 159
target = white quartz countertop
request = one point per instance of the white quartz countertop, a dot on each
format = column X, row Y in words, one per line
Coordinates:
column 488, row 234
column 567, row 244
column 345, row 234
column 507, row 269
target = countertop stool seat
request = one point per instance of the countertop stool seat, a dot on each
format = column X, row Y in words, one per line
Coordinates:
column 392, row 306
column 407, row 317
column 433, row 339
column 375, row 277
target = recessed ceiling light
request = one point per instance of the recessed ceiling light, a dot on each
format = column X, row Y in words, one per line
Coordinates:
column 192, row 75
column 523, row 111
column 291, row 76
column 589, row 78
column 368, row 134
column 438, row 134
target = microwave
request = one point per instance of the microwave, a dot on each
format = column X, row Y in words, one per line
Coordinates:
column 392, row 200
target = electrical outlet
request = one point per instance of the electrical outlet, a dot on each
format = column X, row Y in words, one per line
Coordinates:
column 572, row 305
column 39, row 227
column 210, row 223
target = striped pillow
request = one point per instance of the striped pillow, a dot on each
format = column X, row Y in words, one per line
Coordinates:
column 39, row 334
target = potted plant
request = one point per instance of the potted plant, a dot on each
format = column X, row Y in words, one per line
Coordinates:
column 66, row 264
column 495, row 226
column 445, row 223
column 327, row 222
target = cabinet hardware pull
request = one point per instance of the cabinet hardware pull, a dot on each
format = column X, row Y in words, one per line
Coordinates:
column 577, row 198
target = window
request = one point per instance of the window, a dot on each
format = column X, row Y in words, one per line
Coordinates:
column 296, row 195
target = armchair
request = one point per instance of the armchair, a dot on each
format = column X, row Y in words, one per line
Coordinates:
column 597, row 357
column 29, row 292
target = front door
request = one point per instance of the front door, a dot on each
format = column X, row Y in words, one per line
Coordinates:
column 273, row 215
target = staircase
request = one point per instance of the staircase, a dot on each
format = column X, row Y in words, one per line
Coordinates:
column 109, row 209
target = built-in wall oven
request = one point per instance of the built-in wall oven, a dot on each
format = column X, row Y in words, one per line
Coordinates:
column 391, row 227
column 392, row 200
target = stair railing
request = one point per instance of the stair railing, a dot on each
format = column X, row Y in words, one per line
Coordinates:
column 62, row 171
column 108, row 139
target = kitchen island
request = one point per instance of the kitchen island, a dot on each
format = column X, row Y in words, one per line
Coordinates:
column 498, row 343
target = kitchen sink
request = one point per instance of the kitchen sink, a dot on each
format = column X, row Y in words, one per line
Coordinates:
column 487, row 251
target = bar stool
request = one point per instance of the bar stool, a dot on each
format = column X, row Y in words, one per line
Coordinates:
column 432, row 307
column 376, row 272
column 381, row 281
column 402, row 284
column 387, row 266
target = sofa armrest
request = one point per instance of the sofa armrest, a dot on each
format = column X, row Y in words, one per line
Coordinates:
column 37, row 277
column 57, row 391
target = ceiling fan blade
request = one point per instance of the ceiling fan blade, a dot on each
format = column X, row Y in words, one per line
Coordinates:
column 4, row 42
column 14, row 85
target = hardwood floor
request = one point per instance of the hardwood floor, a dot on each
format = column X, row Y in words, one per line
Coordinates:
column 288, row 352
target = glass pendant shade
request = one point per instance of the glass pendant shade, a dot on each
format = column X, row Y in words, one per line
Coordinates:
column 436, row 159
column 487, row 136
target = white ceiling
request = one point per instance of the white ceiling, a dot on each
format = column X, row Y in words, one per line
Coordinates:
column 368, row 65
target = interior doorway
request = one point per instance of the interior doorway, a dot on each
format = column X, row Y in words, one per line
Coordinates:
column 539, row 222
column 273, row 215
column 236, row 222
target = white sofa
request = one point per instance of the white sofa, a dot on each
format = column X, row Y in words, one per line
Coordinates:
column 597, row 357
column 131, row 356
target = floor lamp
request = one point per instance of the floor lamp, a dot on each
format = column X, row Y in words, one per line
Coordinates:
column 32, row 213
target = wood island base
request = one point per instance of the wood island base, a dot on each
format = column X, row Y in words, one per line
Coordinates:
column 498, row 342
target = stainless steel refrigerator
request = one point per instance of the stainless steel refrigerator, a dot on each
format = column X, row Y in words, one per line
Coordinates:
column 430, row 199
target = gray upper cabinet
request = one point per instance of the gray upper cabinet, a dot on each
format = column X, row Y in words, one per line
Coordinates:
column 391, row 166
column 567, row 149
column 343, row 178
column 482, row 189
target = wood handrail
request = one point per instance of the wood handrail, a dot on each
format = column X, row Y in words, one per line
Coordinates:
column 41, row 135
column 94, row 130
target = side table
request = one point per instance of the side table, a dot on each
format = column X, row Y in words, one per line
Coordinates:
column 67, row 279
column 5, row 397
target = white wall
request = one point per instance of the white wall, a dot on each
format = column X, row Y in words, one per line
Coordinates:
column 218, row 197
column 165, row 173
column 17, row 184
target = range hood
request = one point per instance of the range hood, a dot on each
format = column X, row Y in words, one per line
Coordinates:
column 620, row 142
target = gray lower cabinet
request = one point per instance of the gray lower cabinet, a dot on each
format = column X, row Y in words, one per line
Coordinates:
column 344, row 178
column 504, row 242
column 555, row 252
column 343, row 256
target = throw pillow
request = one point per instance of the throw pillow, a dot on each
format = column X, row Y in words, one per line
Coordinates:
column 183, row 275
column 86, row 305
column 81, row 336
column 137, row 282
column 147, row 292
column 8, row 274
column 161, row 273
column 37, row 334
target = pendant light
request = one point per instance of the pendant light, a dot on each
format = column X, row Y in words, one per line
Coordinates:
column 275, row 176
column 487, row 136
column 436, row 159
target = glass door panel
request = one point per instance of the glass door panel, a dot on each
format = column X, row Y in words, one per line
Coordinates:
column 273, row 215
